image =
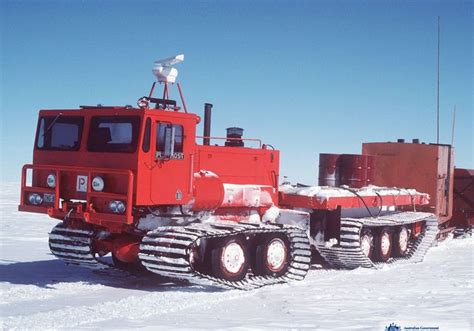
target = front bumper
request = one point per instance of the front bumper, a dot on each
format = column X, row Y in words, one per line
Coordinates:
column 89, row 207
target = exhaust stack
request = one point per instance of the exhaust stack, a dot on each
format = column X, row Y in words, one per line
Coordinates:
column 207, row 123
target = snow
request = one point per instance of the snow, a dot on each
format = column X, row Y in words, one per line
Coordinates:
column 205, row 173
column 323, row 193
column 247, row 195
column 37, row 291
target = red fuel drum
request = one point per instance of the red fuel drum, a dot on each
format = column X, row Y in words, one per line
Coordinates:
column 328, row 169
column 353, row 170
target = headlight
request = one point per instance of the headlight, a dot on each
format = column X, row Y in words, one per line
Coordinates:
column 117, row 207
column 120, row 207
column 35, row 199
column 48, row 198
column 98, row 184
column 51, row 180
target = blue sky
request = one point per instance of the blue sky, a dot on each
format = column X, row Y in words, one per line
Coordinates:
column 307, row 77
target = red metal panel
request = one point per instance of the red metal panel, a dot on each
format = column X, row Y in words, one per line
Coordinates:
column 426, row 168
column 237, row 165
column 463, row 200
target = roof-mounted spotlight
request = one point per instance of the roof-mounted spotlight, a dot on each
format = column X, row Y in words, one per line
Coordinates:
column 164, row 71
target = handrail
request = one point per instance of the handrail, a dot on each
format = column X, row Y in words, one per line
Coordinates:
column 236, row 139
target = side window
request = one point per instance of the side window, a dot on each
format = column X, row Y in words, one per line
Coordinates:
column 178, row 138
column 59, row 133
column 169, row 141
column 64, row 135
column 146, row 136
column 114, row 134
column 118, row 133
column 40, row 142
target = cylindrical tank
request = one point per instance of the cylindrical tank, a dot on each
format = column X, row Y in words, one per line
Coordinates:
column 208, row 191
column 354, row 170
column 328, row 169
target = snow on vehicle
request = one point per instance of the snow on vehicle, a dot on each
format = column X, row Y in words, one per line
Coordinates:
column 135, row 183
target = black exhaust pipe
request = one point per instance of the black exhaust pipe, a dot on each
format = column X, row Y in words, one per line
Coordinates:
column 207, row 123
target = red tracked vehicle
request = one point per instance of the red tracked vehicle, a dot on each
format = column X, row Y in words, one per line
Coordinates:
column 134, row 182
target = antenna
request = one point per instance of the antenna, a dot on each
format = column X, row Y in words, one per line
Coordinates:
column 164, row 71
column 437, row 94
column 454, row 123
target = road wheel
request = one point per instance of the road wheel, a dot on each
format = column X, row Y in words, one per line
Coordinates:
column 383, row 245
column 367, row 243
column 229, row 259
column 400, row 242
column 272, row 256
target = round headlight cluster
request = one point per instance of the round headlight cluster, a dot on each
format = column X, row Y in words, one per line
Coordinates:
column 98, row 184
column 51, row 180
column 35, row 199
column 117, row 207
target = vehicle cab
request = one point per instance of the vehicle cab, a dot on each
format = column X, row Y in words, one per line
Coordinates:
column 102, row 159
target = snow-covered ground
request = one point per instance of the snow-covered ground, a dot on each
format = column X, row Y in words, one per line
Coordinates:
column 40, row 292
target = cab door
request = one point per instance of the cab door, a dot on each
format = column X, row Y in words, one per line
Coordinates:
column 171, row 174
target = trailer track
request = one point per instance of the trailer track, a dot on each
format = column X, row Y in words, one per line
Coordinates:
column 349, row 255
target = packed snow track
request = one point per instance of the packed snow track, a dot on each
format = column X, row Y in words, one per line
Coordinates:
column 39, row 291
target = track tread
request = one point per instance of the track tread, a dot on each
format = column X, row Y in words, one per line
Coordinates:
column 156, row 260
column 73, row 246
column 348, row 254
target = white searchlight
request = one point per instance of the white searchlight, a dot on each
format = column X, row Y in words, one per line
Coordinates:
column 164, row 71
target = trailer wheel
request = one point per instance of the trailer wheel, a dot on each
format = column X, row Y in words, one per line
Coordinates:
column 272, row 257
column 383, row 245
column 229, row 259
column 400, row 240
column 367, row 243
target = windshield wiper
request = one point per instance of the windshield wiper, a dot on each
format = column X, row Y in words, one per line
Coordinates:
column 52, row 123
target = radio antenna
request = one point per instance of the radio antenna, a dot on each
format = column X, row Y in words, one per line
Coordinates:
column 437, row 94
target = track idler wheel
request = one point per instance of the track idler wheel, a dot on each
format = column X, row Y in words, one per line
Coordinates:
column 272, row 257
column 229, row 259
column 383, row 245
column 400, row 242
column 367, row 243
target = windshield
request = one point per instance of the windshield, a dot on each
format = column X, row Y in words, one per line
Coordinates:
column 117, row 134
column 59, row 133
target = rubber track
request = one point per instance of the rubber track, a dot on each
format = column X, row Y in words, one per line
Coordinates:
column 165, row 251
column 73, row 246
column 349, row 255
